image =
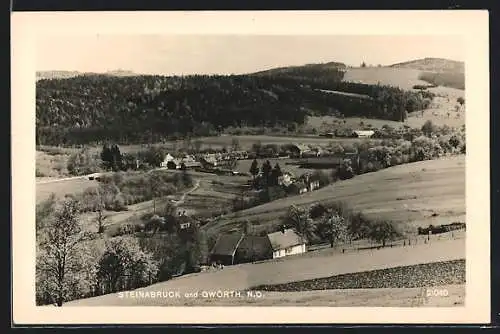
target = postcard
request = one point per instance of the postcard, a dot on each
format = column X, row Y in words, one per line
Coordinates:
column 250, row 167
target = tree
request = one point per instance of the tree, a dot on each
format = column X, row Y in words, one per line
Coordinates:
column 363, row 64
column 154, row 188
column 247, row 227
column 383, row 231
column 333, row 228
column 44, row 212
column 300, row 221
column 461, row 100
column 155, row 224
column 82, row 163
column 266, row 172
column 428, row 128
column 107, row 157
column 169, row 213
column 256, row 147
column 124, row 265
column 254, row 169
column 129, row 162
column 232, row 163
column 275, row 174
column 116, row 158
column 58, row 260
column 197, row 145
column 235, row 144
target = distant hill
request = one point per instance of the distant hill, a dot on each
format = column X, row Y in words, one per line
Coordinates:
column 70, row 74
column 308, row 70
column 433, row 65
column 56, row 74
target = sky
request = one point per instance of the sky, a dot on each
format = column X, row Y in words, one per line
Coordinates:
column 232, row 54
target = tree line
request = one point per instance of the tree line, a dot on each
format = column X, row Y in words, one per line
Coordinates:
column 95, row 109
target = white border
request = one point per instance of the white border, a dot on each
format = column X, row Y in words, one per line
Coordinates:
column 472, row 25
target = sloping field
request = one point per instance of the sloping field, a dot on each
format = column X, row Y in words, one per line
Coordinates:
column 403, row 78
column 61, row 188
column 296, row 268
column 423, row 193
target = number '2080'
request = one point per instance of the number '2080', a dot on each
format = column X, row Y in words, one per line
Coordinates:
column 436, row 292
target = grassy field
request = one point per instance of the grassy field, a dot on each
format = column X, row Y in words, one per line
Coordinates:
column 61, row 188
column 423, row 193
column 291, row 269
column 398, row 77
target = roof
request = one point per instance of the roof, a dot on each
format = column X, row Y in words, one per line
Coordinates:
column 227, row 244
column 192, row 163
column 254, row 245
column 302, row 147
column 280, row 240
column 364, row 132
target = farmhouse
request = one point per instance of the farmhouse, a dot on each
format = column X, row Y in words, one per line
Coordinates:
column 167, row 159
column 311, row 181
column 209, row 161
column 237, row 248
column 363, row 133
column 298, row 150
column 298, row 188
column 286, row 242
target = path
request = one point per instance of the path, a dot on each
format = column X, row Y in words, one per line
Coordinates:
column 134, row 209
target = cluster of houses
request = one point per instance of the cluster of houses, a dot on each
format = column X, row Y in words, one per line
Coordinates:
column 299, row 185
column 238, row 248
column 353, row 134
column 207, row 161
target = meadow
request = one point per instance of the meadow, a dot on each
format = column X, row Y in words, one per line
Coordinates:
column 398, row 77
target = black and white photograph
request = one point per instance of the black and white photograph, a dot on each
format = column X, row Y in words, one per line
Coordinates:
column 241, row 169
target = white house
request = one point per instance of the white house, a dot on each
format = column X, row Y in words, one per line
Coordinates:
column 286, row 242
column 286, row 179
column 364, row 133
column 167, row 159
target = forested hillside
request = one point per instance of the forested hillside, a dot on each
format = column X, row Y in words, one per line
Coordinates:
column 138, row 109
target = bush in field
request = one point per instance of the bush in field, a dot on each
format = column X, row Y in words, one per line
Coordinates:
column 429, row 128
column 82, row 163
column 425, row 148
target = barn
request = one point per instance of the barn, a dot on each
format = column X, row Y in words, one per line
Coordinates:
column 253, row 248
column 225, row 248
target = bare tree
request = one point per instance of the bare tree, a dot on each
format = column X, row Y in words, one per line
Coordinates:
column 58, row 258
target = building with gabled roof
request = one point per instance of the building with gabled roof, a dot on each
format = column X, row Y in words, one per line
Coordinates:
column 225, row 248
column 286, row 242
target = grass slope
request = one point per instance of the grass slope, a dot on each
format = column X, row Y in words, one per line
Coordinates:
column 409, row 193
